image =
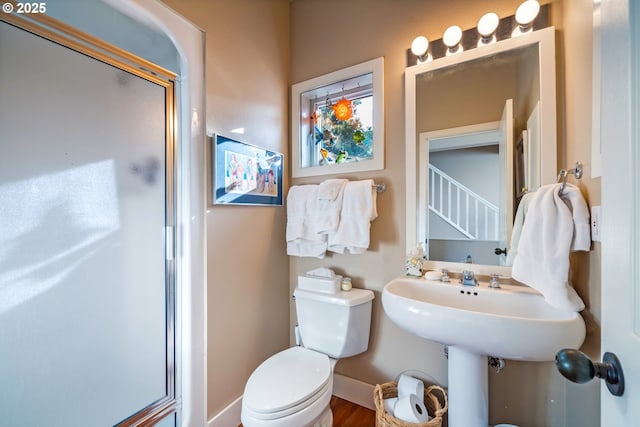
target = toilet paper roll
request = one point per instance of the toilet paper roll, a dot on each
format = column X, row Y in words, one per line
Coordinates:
column 408, row 385
column 390, row 404
column 411, row 409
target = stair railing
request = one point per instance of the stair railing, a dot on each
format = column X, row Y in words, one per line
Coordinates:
column 469, row 213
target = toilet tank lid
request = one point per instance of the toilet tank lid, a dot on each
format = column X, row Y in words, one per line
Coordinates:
column 346, row 298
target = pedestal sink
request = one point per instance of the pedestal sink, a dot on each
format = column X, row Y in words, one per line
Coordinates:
column 512, row 322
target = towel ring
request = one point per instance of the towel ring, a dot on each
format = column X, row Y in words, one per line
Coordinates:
column 562, row 176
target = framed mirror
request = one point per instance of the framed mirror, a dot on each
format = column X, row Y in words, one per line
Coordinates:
column 480, row 130
column 338, row 121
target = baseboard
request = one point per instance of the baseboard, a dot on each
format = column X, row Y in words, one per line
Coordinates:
column 229, row 416
column 345, row 388
column 353, row 390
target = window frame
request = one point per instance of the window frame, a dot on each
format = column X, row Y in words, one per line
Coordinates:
column 305, row 95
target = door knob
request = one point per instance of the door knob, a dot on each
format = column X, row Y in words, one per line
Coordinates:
column 576, row 366
column 499, row 251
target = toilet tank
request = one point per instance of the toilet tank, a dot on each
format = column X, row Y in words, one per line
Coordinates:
column 336, row 324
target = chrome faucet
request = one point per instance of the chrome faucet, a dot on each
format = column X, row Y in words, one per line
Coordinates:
column 445, row 276
column 468, row 279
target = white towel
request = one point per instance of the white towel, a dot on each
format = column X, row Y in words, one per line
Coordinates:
column 330, row 196
column 301, row 234
column 358, row 210
column 518, row 223
column 553, row 227
column 330, row 189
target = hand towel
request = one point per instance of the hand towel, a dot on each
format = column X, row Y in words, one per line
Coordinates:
column 555, row 225
column 301, row 234
column 358, row 210
column 327, row 213
column 518, row 223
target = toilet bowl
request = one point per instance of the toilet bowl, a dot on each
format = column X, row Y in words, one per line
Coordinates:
column 290, row 389
column 293, row 388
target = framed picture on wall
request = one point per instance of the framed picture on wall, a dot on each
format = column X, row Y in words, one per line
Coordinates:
column 245, row 174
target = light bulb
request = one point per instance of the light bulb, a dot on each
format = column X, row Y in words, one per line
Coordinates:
column 527, row 12
column 419, row 46
column 488, row 24
column 451, row 38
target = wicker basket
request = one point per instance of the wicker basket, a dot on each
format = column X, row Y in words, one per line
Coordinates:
column 431, row 401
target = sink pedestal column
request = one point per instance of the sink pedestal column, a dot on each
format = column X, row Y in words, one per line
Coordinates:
column 468, row 389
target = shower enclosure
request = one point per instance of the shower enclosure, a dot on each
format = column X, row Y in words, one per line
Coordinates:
column 87, row 226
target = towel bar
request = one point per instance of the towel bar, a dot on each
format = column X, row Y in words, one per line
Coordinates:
column 380, row 188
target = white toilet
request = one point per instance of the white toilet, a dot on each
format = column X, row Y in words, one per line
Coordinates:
column 293, row 388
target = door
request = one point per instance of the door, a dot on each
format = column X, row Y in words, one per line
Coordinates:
column 505, row 154
column 533, row 150
column 86, row 247
column 621, row 205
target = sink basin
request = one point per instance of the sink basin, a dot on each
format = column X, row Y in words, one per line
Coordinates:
column 513, row 322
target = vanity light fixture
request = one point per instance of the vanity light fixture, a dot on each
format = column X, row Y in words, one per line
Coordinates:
column 530, row 16
column 487, row 26
column 420, row 48
column 525, row 14
column 451, row 38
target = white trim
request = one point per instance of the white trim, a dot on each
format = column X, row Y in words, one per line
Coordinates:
column 229, row 416
column 620, row 204
column 353, row 390
column 190, row 264
column 374, row 66
column 477, row 135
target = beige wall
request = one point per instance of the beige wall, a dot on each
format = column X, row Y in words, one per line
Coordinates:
column 347, row 33
column 247, row 68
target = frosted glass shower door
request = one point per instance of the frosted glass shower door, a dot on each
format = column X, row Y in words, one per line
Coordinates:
column 86, row 297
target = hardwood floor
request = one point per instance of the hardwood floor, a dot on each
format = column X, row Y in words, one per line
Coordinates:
column 347, row 414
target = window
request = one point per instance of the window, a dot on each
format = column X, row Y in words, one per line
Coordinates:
column 338, row 123
column 342, row 130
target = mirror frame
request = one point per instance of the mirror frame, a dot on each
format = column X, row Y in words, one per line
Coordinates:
column 545, row 39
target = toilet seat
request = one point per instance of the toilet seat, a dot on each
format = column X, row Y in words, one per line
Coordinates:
column 300, row 376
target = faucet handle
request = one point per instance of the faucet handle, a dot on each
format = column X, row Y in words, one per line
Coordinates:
column 445, row 276
column 495, row 281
